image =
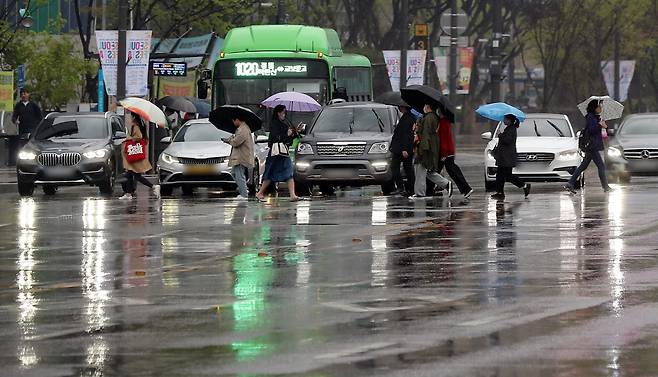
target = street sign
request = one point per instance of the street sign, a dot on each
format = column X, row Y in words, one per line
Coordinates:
column 460, row 26
column 21, row 76
column 444, row 41
column 169, row 69
column 421, row 30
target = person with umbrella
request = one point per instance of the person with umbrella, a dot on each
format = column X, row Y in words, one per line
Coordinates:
column 402, row 146
column 505, row 155
column 242, row 154
column 593, row 146
column 278, row 166
column 427, row 154
column 447, row 149
column 134, row 169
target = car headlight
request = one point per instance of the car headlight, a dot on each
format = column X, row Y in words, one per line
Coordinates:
column 304, row 148
column 569, row 155
column 95, row 154
column 169, row 159
column 26, row 155
column 379, row 148
column 614, row 152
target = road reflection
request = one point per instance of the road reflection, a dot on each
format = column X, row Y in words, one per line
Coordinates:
column 28, row 302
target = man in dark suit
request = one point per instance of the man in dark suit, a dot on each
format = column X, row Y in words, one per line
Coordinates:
column 402, row 147
column 27, row 116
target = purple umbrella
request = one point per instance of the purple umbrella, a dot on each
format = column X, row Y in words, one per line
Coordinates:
column 293, row 101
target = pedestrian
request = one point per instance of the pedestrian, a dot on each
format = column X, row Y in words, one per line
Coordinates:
column 173, row 117
column 402, row 147
column 594, row 146
column 242, row 155
column 278, row 167
column 427, row 154
column 505, row 155
column 134, row 170
column 27, row 116
column 448, row 150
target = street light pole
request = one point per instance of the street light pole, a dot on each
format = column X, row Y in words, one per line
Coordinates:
column 404, row 43
column 121, row 58
column 617, row 92
column 495, row 67
column 452, row 77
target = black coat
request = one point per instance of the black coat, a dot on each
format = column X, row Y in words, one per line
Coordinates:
column 506, row 149
column 28, row 115
column 279, row 132
column 403, row 136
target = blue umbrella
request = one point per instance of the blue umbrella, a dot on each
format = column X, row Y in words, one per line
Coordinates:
column 497, row 111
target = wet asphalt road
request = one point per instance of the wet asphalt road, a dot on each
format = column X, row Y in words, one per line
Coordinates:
column 354, row 285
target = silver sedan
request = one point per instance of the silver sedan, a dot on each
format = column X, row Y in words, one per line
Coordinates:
column 197, row 157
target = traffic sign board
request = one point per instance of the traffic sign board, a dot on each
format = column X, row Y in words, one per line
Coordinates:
column 421, row 30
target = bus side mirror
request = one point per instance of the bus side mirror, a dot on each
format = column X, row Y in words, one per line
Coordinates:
column 206, row 74
column 202, row 89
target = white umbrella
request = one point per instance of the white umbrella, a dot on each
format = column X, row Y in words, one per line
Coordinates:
column 611, row 108
column 147, row 110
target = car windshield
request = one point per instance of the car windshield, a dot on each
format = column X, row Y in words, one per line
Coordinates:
column 72, row 128
column 353, row 119
column 543, row 127
column 200, row 132
column 640, row 126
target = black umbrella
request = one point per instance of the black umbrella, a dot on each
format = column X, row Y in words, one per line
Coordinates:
column 222, row 117
column 391, row 98
column 178, row 103
column 202, row 107
column 417, row 96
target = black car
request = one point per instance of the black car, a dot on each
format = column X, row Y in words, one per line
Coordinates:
column 69, row 149
column 347, row 145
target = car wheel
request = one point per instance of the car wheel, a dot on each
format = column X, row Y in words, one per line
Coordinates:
column 254, row 184
column 49, row 190
column 106, row 187
column 25, row 189
column 166, row 190
column 187, row 190
column 327, row 189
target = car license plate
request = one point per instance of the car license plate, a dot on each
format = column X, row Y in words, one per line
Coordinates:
column 339, row 173
column 200, row 170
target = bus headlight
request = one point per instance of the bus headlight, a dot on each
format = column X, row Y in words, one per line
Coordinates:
column 379, row 148
column 304, row 148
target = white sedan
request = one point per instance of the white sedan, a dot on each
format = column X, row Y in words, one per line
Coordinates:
column 547, row 150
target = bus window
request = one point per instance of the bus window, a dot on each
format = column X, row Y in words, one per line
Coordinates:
column 355, row 79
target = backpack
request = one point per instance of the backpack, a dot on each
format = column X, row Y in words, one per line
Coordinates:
column 584, row 140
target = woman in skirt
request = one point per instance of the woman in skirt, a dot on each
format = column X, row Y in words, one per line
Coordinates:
column 278, row 168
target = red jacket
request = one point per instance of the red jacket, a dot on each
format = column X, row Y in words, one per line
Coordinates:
column 447, row 143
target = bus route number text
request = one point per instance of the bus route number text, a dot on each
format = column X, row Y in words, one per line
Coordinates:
column 254, row 69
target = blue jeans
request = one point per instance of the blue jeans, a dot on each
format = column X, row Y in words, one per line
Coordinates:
column 239, row 173
column 600, row 165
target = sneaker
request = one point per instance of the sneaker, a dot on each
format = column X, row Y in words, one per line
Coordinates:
column 498, row 196
column 449, row 188
column 526, row 189
column 570, row 189
column 468, row 194
column 417, row 197
column 156, row 190
column 126, row 196
column 240, row 197
column 607, row 189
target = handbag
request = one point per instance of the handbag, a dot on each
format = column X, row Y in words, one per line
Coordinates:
column 135, row 150
column 279, row 149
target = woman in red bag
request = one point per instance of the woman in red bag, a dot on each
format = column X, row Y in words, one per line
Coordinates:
column 134, row 152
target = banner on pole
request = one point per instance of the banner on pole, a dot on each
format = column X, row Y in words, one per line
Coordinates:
column 7, row 91
column 101, row 91
column 626, row 71
column 415, row 67
column 137, row 57
column 464, row 68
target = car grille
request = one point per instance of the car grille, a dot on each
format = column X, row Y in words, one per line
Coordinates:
column 535, row 157
column 341, row 149
column 59, row 159
column 202, row 161
column 641, row 154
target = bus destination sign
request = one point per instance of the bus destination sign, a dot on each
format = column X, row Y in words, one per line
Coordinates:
column 270, row 69
column 169, row 69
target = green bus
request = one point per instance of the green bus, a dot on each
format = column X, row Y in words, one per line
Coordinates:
column 261, row 60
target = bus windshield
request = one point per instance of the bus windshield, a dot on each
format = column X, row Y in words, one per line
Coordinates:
column 253, row 91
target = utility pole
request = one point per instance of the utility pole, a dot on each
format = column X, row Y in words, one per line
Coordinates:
column 454, row 36
column 121, row 58
column 495, row 68
column 281, row 12
column 617, row 92
column 404, row 43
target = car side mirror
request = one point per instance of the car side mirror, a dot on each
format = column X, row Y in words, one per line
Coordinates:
column 120, row 135
column 487, row 135
column 262, row 139
column 166, row 140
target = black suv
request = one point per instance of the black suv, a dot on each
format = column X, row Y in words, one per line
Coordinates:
column 347, row 145
column 69, row 149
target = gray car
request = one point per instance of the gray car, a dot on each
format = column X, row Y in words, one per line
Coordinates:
column 197, row 157
column 347, row 145
column 634, row 148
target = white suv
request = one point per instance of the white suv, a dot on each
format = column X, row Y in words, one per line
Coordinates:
column 547, row 150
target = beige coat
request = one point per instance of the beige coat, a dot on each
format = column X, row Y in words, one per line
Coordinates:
column 139, row 166
column 243, row 147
